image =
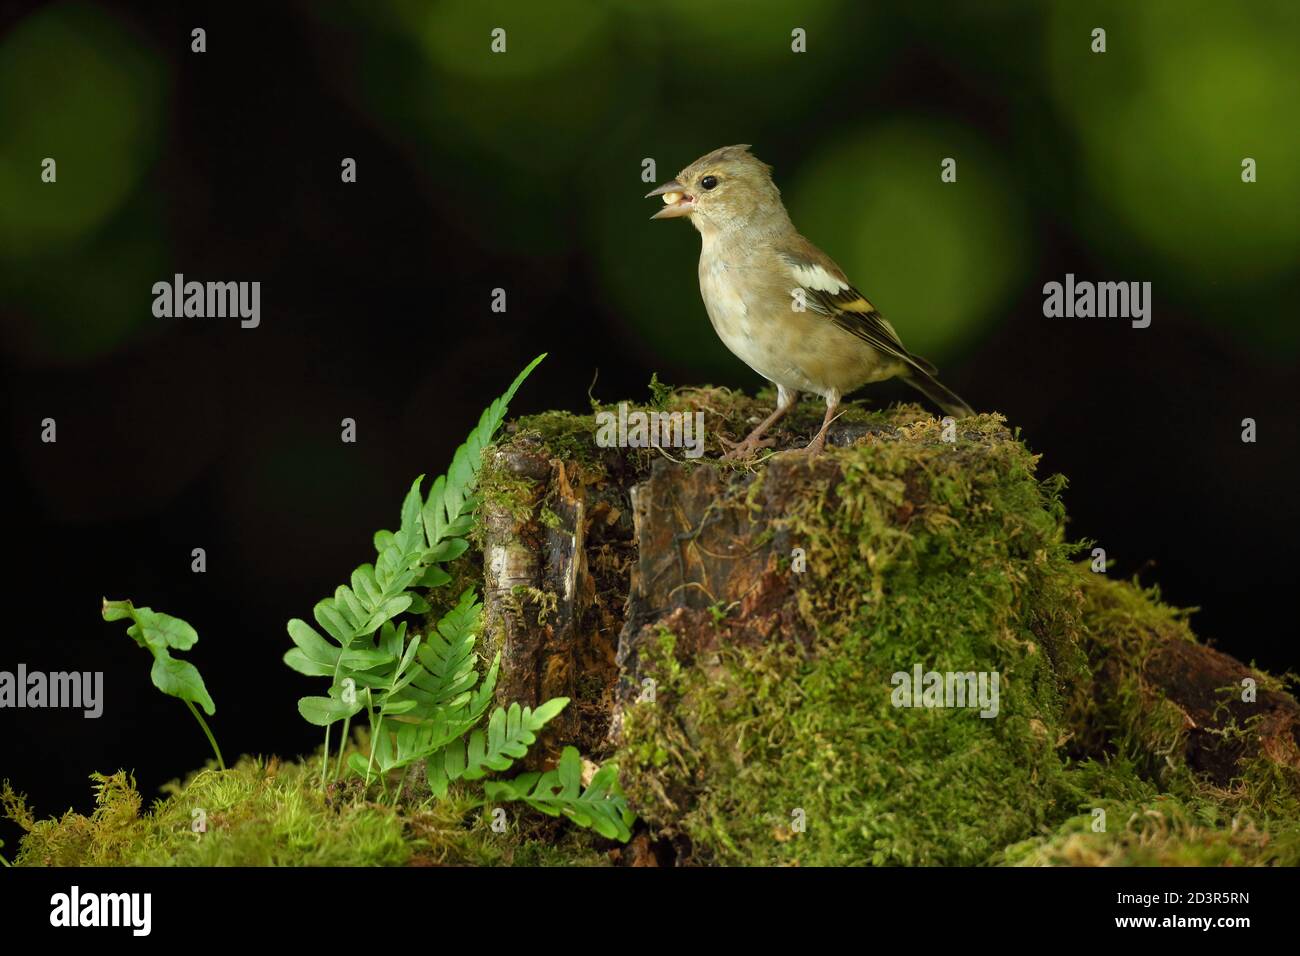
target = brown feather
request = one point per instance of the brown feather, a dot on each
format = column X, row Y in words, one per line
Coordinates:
column 848, row 308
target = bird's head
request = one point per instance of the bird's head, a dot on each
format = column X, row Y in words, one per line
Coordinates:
column 726, row 189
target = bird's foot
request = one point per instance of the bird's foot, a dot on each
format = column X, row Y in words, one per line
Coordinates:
column 816, row 446
column 746, row 448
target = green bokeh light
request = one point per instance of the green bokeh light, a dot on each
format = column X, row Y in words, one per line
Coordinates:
column 56, row 321
column 648, row 269
column 510, row 134
column 78, row 87
column 539, row 37
column 1166, row 115
column 936, row 258
column 725, row 34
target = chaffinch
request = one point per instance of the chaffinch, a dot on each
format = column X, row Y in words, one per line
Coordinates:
column 781, row 304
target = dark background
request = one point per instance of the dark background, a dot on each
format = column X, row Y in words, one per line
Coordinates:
column 523, row 171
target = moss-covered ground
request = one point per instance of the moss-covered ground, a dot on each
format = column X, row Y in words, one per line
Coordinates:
column 272, row 813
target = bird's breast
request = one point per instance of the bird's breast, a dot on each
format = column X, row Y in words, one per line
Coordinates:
column 803, row 351
column 724, row 299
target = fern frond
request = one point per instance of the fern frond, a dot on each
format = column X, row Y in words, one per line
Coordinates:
column 601, row 807
column 448, row 657
column 429, row 686
column 509, row 735
column 448, row 511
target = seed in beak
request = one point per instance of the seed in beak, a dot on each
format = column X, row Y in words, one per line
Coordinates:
column 670, row 198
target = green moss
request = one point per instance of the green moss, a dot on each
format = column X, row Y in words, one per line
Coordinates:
column 564, row 435
column 1129, row 822
column 966, row 582
column 951, row 557
column 1125, row 626
column 545, row 602
column 262, row 813
column 501, row 492
column 727, row 414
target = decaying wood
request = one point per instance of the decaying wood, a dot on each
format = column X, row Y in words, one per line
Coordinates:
column 1194, row 677
column 574, row 589
column 512, row 561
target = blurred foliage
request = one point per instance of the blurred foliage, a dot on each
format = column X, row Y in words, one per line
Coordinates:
column 943, row 256
column 61, row 320
column 79, row 87
column 1185, row 91
column 1129, row 160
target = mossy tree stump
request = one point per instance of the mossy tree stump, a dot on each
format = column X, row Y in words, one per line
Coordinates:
column 733, row 634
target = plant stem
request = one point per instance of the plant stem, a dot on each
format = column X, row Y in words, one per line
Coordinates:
column 212, row 740
column 325, row 756
column 343, row 743
column 374, row 736
column 374, row 741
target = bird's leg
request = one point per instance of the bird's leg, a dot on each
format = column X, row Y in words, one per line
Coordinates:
column 746, row 447
column 818, row 444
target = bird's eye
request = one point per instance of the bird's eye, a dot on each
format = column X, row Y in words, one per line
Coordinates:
column 708, row 182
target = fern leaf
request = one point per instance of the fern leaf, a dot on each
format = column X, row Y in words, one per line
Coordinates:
column 448, row 656
column 601, row 807
column 429, row 685
column 451, row 497
column 509, row 735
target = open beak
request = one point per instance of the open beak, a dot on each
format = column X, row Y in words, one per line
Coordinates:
column 677, row 202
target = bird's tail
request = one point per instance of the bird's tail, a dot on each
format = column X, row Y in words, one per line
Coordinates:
column 931, row 388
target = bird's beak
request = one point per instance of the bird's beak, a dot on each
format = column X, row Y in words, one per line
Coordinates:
column 677, row 201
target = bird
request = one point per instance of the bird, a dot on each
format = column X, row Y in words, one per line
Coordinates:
column 779, row 303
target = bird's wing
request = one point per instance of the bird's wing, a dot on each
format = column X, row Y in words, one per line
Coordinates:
column 828, row 292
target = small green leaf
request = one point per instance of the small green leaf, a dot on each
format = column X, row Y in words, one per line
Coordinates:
column 309, row 641
column 358, row 763
column 411, row 535
column 601, row 807
column 386, row 612
column 180, row 679
column 364, row 658
column 333, row 622
column 350, row 606
column 303, row 664
column 152, row 628
column 548, row 711
column 436, row 773
column 569, row 772
column 434, row 577
column 391, row 639
column 323, row 711
column 445, row 550
column 116, row 610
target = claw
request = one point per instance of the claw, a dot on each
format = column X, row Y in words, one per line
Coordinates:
column 745, row 448
column 816, row 446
